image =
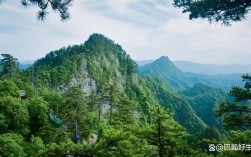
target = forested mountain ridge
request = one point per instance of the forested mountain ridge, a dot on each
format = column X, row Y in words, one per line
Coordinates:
column 212, row 69
column 197, row 93
column 144, row 62
column 212, row 75
column 88, row 100
column 101, row 61
column 84, row 100
column 205, row 69
column 164, row 69
column 213, row 106
column 204, row 99
column 98, row 58
column 225, row 81
column 176, row 103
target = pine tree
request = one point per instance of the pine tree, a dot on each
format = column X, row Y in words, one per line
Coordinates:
column 9, row 66
column 165, row 133
column 224, row 11
column 237, row 114
column 94, row 103
column 60, row 6
column 74, row 111
column 110, row 96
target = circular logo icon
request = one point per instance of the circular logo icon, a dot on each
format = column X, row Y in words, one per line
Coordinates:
column 219, row 147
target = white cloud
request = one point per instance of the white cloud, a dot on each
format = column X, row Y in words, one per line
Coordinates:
column 145, row 29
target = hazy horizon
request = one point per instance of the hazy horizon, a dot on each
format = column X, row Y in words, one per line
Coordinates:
column 151, row 60
column 146, row 30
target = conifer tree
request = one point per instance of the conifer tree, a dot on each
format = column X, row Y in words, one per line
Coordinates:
column 94, row 103
column 116, row 142
column 110, row 96
column 124, row 114
column 165, row 133
column 60, row 6
column 224, row 11
column 74, row 111
column 237, row 114
column 9, row 66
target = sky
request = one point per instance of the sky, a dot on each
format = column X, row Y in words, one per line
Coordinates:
column 146, row 29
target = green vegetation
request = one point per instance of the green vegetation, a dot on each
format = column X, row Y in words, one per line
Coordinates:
column 166, row 134
column 164, row 69
column 8, row 66
column 203, row 100
column 236, row 115
column 60, row 6
column 88, row 100
column 176, row 103
column 224, row 11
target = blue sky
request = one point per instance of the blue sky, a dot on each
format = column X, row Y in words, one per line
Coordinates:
column 146, row 29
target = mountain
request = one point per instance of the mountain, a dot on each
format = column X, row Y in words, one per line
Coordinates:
column 144, row 62
column 206, row 69
column 21, row 66
column 90, row 100
column 100, row 60
column 225, row 81
column 27, row 62
column 203, row 100
column 176, row 103
column 212, row 69
column 164, row 69
column 202, row 92
column 167, row 71
column 24, row 66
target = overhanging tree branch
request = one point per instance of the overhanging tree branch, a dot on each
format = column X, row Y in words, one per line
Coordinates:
column 60, row 6
column 222, row 11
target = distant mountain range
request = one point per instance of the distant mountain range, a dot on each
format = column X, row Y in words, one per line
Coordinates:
column 27, row 62
column 167, row 70
column 206, row 69
column 90, row 66
column 212, row 69
column 203, row 100
column 144, row 62
column 164, row 69
column 23, row 65
column 202, row 92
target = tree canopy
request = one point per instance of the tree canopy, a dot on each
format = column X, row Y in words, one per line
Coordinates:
column 60, row 6
column 223, row 11
column 97, row 106
column 237, row 114
column 9, row 65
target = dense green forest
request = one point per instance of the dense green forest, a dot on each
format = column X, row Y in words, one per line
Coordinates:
column 179, row 75
column 203, row 100
column 89, row 100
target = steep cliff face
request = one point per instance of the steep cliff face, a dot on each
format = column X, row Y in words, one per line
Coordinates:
column 100, row 61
